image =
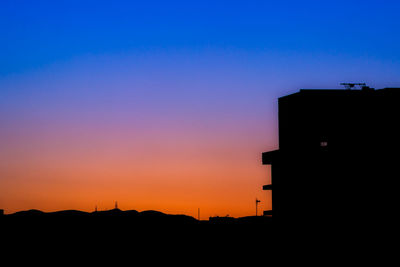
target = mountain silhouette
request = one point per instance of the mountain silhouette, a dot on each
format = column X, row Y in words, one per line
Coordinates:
column 128, row 217
column 26, row 213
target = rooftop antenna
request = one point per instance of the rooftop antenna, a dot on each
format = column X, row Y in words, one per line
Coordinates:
column 257, row 201
column 350, row 86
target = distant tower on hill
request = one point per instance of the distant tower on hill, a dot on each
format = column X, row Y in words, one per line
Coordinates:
column 116, row 205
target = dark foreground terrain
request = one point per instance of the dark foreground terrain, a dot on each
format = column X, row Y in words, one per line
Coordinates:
column 150, row 238
column 130, row 226
column 147, row 236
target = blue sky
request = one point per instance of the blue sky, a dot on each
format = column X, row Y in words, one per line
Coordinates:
column 38, row 33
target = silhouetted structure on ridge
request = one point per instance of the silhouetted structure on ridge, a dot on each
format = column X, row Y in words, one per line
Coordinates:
column 337, row 156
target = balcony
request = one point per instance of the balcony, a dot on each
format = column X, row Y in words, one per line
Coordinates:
column 270, row 157
column 267, row 187
column 267, row 212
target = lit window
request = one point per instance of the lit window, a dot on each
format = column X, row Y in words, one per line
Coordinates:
column 324, row 144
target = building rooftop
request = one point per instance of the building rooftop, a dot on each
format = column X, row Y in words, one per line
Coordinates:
column 326, row 92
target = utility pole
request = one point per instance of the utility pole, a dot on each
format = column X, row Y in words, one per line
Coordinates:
column 257, row 201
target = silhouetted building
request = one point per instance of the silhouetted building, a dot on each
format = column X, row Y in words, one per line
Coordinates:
column 337, row 155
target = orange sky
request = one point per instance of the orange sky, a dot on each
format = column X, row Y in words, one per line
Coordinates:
column 174, row 136
column 75, row 166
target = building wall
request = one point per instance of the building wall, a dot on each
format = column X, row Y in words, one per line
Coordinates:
column 336, row 152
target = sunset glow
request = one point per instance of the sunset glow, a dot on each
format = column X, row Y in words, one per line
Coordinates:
column 165, row 107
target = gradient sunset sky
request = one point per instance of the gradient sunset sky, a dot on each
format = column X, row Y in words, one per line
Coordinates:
column 168, row 105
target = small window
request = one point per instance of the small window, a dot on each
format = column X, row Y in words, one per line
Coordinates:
column 324, row 144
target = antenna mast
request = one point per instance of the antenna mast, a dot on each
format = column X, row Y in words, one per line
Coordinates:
column 350, row 86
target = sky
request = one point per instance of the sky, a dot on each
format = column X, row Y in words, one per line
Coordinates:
column 168, row 105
